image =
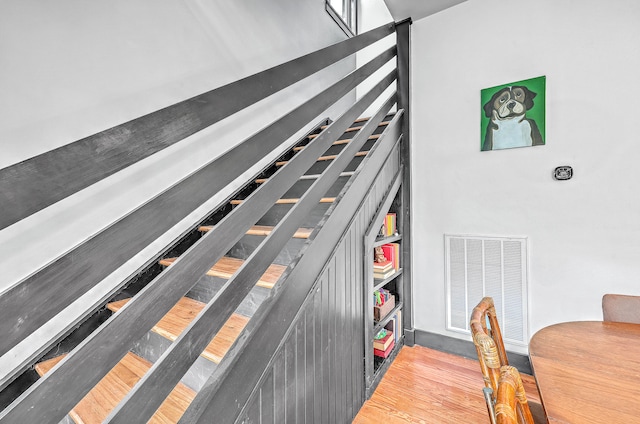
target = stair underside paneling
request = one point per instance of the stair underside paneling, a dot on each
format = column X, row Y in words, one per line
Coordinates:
column 179, row 317
column 106, row 395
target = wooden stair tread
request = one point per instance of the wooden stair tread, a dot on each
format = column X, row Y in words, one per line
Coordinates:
column 381, row 124
column 328, row 157
column 365, row 118
column 290, row 201
column 181, row 315
column 105, row 396
column 307, row 177
column 265, row 230
column 227, row 266
column 339, row 142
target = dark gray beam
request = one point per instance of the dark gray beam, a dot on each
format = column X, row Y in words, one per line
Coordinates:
column 43, row 180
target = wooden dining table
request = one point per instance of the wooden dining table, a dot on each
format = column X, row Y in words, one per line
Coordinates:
column 588, row 372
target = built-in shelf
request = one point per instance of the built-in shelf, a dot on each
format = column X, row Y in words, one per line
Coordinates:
column 384, row 321
column 378, row 284
column 376, row 366
column 384, row 240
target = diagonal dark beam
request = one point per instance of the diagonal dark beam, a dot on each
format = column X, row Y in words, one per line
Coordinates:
column 38, row 182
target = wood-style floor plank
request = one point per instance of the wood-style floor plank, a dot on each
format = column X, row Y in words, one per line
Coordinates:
column 227, row 266
column 106, row 395
column 427, row 386
column 181, row 315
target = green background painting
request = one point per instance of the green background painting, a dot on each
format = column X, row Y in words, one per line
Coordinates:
column 537, row 112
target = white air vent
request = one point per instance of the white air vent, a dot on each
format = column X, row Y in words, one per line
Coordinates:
column 488, row 266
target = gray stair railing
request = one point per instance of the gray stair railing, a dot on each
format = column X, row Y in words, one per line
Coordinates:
column 34, row 301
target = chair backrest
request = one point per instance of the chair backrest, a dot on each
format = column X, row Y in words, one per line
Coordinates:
column 511, row 400
column 488, row 342
column 621, row 308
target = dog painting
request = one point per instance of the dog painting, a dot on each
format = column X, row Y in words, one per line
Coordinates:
column 513, row 115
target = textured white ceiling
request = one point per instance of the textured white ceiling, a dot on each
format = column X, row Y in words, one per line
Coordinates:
column 417, row 9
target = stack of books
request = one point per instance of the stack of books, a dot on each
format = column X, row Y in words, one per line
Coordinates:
column 382, row 270
column 383, row 346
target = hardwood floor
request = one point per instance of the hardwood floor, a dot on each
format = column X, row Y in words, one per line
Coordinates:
column 427, row 386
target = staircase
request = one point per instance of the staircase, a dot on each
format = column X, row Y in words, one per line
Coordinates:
column 96, row 406
column 254, row 313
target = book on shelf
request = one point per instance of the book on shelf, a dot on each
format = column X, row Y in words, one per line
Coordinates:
column 382, row 266
column 384, row 353
column 390, row 224
column 383, row 275
column 395, row 326
column 384, row 342
column 392, row 253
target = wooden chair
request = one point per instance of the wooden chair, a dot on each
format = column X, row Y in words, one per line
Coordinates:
column 488, row 342
column 492, row 356
column 511, row 400
column 621, row 308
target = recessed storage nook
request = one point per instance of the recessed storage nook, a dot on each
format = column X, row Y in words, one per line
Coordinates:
column 384, row 286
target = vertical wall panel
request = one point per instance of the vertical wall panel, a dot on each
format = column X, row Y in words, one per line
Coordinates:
column 317, row 321
column 309, row 363
column 300, row 374
column 325, row 339
column 290, row 380
column 266, row 400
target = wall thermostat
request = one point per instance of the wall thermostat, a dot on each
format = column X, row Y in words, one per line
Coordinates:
column 563, row 173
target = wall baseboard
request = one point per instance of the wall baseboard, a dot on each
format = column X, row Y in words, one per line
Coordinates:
column 410, row 337
column 465, row 349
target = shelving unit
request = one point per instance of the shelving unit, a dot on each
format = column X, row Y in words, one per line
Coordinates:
column 376, row 366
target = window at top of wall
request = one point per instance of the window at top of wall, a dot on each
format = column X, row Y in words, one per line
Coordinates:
column 344, row 12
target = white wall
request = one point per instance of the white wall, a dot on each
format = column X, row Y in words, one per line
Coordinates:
column 72, row 68
column 584, row 234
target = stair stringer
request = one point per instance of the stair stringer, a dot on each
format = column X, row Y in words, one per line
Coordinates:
column 300, row 359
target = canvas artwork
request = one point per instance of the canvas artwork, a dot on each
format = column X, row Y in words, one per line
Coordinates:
column 513, row 115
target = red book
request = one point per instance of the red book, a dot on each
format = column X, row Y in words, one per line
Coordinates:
column 392, row 252
column 383, row 343
column 384, row 353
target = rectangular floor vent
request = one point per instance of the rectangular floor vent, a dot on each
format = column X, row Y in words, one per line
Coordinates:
column 478, row 266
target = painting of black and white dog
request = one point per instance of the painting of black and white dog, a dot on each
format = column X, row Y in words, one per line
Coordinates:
column 508, row 123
